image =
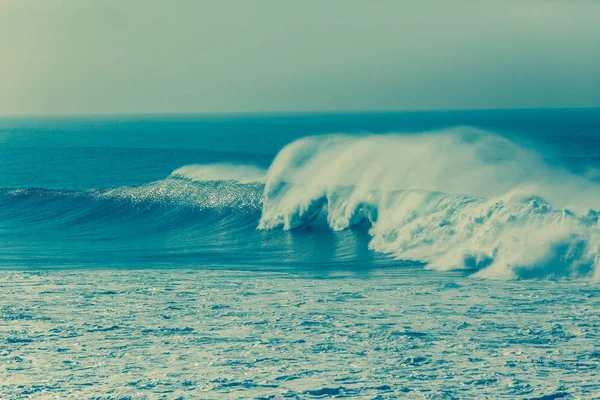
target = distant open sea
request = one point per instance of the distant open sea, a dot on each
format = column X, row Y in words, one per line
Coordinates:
column 433, row 255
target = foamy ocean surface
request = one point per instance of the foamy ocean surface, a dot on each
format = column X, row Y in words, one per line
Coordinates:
column 432, row 255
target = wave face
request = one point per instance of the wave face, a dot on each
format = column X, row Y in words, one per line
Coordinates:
column 178, row 221
column 459, row 199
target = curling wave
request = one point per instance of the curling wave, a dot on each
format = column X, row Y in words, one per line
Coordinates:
column 460, row 199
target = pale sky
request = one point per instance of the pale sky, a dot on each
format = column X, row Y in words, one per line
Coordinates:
column 183, row 56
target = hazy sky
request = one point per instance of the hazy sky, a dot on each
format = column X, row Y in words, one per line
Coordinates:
column 130, row 56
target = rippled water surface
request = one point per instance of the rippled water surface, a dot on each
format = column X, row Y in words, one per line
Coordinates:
column 203, row 334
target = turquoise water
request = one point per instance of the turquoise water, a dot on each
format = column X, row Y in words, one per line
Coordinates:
column 422, row 255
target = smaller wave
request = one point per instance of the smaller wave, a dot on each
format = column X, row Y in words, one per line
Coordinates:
column 221, row 172
column 167, row 205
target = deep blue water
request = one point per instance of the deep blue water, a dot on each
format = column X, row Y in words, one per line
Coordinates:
column 99, row 191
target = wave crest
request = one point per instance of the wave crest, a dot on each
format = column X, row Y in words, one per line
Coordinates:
column 457, row 199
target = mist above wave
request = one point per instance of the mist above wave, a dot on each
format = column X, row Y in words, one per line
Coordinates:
column 221, row 172
column 460, row 198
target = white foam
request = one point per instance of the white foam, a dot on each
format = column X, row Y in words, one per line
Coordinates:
column 460, row 198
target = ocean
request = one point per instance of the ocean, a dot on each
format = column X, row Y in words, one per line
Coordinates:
column 434, row 255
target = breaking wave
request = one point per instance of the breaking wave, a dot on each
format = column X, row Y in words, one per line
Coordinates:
column 457, row 199
column 460, row 199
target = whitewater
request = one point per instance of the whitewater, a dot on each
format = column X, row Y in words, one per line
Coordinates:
column 406, row 255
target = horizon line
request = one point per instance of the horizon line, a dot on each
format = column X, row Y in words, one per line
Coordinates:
column 281, row 113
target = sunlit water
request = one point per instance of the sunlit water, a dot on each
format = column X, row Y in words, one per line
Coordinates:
column 206, row 334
